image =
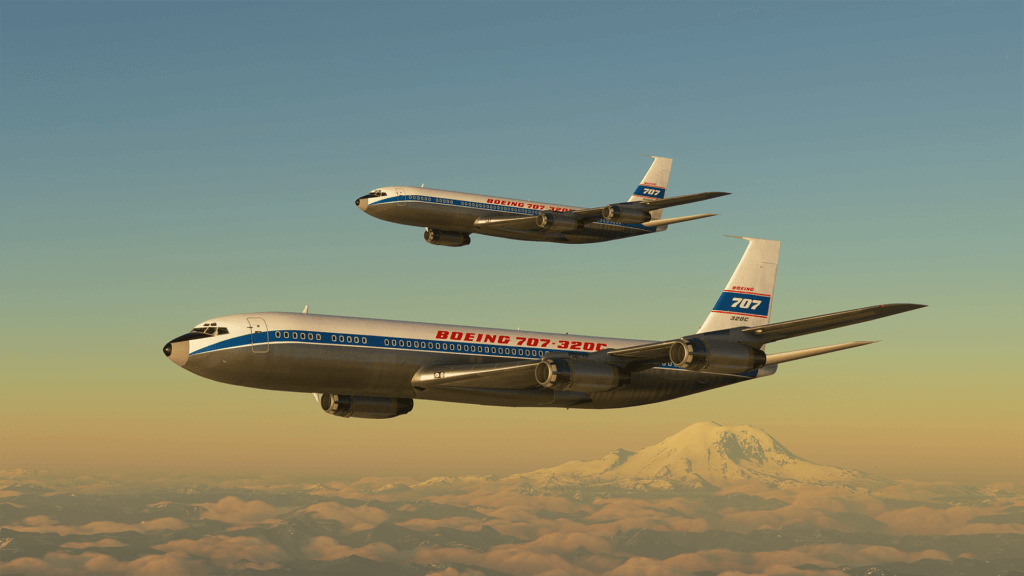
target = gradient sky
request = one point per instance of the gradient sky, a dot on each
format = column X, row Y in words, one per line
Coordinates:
column 164, row 163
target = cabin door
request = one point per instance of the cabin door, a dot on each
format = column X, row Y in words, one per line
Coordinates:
column 260, row 335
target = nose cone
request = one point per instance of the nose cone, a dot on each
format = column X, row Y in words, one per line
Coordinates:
column 177, row 351
column 362, row 202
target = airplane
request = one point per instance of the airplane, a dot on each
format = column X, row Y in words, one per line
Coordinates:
column 362, row 368
column 450, row 217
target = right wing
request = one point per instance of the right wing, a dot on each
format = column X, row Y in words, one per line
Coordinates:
column 591, row 214
column 792, row 328
column 756, row 337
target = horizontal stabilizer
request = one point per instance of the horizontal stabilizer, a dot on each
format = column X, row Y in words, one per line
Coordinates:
column 793, row 328
column 798, row 354
column 505, row 376
column 666, row 221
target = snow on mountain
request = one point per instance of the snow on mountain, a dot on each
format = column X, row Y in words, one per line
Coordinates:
column 702, row 456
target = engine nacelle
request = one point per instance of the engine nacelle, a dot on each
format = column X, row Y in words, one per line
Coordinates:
column 445, row 238
column 364, row 406
column 625, row 214
column 579, row 375
column 557, row 222
column 715, row 356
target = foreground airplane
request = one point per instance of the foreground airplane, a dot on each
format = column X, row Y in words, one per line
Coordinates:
column 450, row 217
column 375, row 368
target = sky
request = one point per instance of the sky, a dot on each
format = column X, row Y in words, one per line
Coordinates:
column 165, row 163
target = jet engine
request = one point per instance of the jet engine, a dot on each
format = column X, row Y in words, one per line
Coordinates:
column 715, row 356
column 364, row 406
column 445, row 238
column 579, row 375
column 556, row 222
column 625, row 214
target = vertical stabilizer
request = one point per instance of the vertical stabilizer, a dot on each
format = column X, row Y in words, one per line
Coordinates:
column 747, row 298
column 654, row 184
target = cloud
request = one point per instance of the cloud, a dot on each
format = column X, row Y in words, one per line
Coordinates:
column 355, row 519
column 91, row 563
column 926, row 521
column 983, row 528
column 512, row 559
column 104, row 543
column 234, row 510
column 237, row 552
column 326, row 548
column 43, row 524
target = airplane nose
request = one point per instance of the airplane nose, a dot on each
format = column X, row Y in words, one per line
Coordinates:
column 362, row 203
column 177, row 351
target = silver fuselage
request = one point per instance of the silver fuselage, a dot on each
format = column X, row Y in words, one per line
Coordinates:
column 340, row 355
column 458, row 212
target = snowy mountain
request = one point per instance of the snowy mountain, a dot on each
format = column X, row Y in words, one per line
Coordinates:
column 701, row 457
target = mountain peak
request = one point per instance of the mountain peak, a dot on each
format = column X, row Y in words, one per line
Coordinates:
column 701, row 456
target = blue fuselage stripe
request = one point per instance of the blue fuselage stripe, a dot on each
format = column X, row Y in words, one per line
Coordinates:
column 495, row 208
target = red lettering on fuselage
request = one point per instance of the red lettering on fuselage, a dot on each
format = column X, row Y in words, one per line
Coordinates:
column 529, row 342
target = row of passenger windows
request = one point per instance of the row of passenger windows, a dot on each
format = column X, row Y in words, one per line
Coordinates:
column 316, row 337
column 416, row 344
column 460, row 347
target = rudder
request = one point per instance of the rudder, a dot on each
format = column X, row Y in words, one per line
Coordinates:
column 747, row 298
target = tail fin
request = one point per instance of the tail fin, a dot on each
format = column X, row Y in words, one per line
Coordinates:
column 653, row 186
column 747, row 298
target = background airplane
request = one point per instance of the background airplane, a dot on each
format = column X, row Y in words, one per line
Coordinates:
column 450, row 217
column 375, row 368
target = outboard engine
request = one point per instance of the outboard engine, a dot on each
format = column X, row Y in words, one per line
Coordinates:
column 579, row 375
column 625, row 213
column 364, row 406
column 445, row 238
column 557, row 222
column 716, row 356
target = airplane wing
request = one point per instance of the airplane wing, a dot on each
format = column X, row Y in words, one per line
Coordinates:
column 585, row 215
column 792, row 328
column 757, row 336
column 590, row 214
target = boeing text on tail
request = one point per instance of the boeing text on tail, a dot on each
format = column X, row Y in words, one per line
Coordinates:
column 450, row 217
column 377, row 368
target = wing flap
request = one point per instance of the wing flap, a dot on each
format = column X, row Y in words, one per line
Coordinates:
column 504, row 375
column 508, row 222
column 793, row 328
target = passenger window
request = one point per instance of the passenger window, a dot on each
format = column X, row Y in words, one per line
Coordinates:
column 348, row 339
column 445, row 346
column 294, row 335
column 401, row 343
column 277, row 334
column 334, row 338
column 430, row 345
column 317, row 337
column 364, row 339
column 303, row 335
column 415, row 344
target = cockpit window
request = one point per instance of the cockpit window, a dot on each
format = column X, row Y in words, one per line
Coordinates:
column 377, row 193
column 210, row 328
